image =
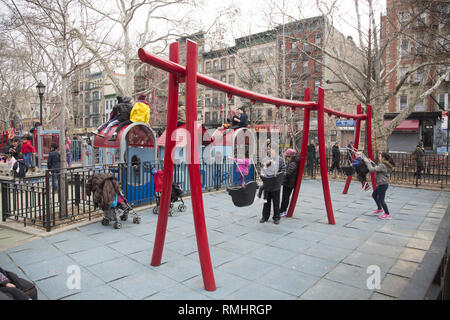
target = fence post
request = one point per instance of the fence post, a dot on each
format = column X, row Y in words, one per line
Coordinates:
column 5, row 201
column 356, row 145
column 47, row 213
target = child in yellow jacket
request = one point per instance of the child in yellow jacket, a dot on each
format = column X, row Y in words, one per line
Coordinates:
column 140, row 111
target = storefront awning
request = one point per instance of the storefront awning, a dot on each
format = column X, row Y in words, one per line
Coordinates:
column 406, row 125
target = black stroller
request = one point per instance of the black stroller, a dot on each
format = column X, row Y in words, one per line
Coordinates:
column 120, row 208
column 176, row 194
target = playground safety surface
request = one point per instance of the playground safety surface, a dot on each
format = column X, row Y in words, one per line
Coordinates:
column 301, row 258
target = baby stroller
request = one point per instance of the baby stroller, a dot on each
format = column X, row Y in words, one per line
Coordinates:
column 120, row 208
column 176, row 195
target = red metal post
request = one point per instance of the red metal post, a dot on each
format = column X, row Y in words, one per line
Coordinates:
column 322, row 154
column 369, row 142
column 172, row 111
column 356, row 145
column 194, row 167
column 303, row 152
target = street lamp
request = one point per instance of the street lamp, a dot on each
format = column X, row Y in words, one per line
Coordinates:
column 40, row 89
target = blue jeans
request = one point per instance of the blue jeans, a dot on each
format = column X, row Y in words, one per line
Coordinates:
column 378, row 195
column 28, row 157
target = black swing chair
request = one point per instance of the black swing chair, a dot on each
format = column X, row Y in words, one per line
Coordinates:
column 243, row 196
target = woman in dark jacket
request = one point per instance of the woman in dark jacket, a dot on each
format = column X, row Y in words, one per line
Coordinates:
column 336, row 157
column 289, row 182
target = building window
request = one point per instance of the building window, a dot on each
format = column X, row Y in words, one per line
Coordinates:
column 293, row 66
column 443, row 100
column 232, row 61
column 403, row 102
column 316, row 86
column 231, row 79
column 420, row 106
column 404, row 48
column 270, row 52
column 223, row 64
column 305, row 67
column 208, row 66
column 215, row 65
column 269, row 114
column 404, row 17
column 403, row 71
column 318, row 39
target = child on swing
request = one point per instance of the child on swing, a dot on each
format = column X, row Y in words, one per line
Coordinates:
column 243, row 166
column 361, row 170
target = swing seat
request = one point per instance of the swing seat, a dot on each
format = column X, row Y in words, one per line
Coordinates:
column 348, row 170
column 273, row 183
column 243, row 196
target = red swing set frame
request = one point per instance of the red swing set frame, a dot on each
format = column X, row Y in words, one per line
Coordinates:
column 189, row 75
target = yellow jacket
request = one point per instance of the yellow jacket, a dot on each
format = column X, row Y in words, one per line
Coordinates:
column 140, row 113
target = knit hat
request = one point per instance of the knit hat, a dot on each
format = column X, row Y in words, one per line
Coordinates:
column 290, row 152
column 142, row 97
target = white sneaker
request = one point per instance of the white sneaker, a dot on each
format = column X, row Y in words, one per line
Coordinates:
column 283, row 214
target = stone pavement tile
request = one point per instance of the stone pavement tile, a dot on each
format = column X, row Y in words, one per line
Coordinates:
column 232, row 229
column 247, row 267
column 76, row 245
column 143, row 285
column 419, row 244
column 381, row 249
column 184, row 246
column 323, row 227
column 179, row 270
column 138, row 230
column 424, row 235
column 110, row 236
column 343, row 242
column 413, row 255
column 389, row 239
column 372, row 226
column 399, row 229
column 332, row 253
column 33, row 256
column 329, row 290
column 240, row 246
column 259, row 292
column 226, row 284
column 353, row 232
column 274, row 255
column 104, row 292
column 170, row 237
column 92, row 228
column 292, row 244
column 364, row 260
column 66, row 236
column 178, row 292
column 40, row 244
column 288, row 281
column 430, row 224
column 349, row 275
column 310, row 265
column 379, row 296
column 260, row 236
column 94, row 256
column 116, row 268
column 216, row 237
column 218, row 256
column 131, row 245
column 308, row 235
column 404, row 268
column 56, row 287
column 145, row 256
column 47, row 268
column 393, row 285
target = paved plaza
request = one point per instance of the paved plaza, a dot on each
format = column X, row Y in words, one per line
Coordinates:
column 301, row 258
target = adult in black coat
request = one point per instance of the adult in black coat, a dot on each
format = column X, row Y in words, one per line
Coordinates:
column 54, row 164
column 12, row 287
column 291, row 177
column 311, row 157
column 336, row 157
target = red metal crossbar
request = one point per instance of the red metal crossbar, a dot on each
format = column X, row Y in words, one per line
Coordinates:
column 191, row 77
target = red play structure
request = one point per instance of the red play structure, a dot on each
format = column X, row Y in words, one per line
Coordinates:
column 189, row 75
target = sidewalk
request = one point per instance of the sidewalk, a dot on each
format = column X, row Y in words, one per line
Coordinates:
column 302, row 258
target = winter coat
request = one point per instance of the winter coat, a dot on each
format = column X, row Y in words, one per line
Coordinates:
column 336, row 152
column 181, row 116
column 140, row 113
column 383, row 171
column 291, row 173
column 104, row 188
column 27, row 147
column 311, row 152
column 419, row 156
column 123, row 111
column 54, row 160
column 19, row 169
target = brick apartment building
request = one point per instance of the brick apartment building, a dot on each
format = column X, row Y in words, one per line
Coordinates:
column 423, row 37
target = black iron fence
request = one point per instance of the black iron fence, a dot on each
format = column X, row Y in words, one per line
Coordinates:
column 38, row 200
column 435, row 172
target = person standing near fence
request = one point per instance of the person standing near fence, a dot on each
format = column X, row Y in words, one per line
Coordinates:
column 382, row 171
column 54, row 164
column 419, row 156
column 292, row 160
column 311, row 157
column 68, row 151
column 336, row 157
column 28, row 151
